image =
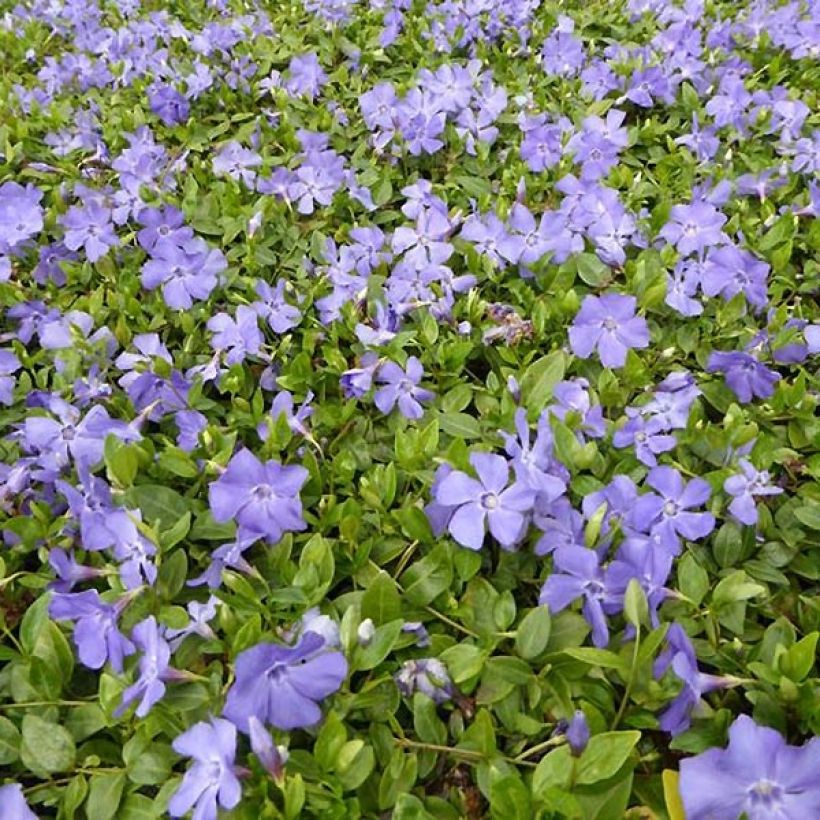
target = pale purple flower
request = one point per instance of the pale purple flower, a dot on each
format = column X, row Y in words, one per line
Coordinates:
column 487, row 501
column 428, row 676
column 212, row 779
column 280, row 315
column 237, row 163
column 70, row 437
column 669, row 514
column 358, row 380
column 21, row 215
column 262, row 498
column 647, row 437
column 680, row 655
column 577, row 574
column 237, row 337
column 96, row 635
column 271, row 756
column 13, row 804
column 608, row 324
column 758, row 776
column 168, row 104
column 731, row 270
column 401, row 387
column 745, row 486
column 577, row 733
column 305, row 76
column 153, row 668
column 186, row 272
column 694, row 227
column 283, row 405
column 89, row 227
column 9, row 365
column 284, row 685
column 68, row 571
column 744, row 374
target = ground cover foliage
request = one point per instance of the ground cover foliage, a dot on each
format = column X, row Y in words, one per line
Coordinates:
column 409, row 409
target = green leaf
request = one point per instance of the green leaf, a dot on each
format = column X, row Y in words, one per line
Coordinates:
column 329, row 742
column 9, row 741
column 409, row 807
column 692, row 579
column 540, row 379
column 592, row 270
column 636, row 607
column 426, row 579
column 604, row 755
column 809, row 516
column 47, row 747
column 104, row 795
column 598, row 657
column 381, row 601
column 533, row 633
column 554, row 769
column 736, row 587
column 671, row 795
column 428, row 725
column 459, row 425
column 121, row 461
column 158, row 504
column 607, row 800
column 510, row 799
column 798, row 660
column 316, row 569
column 380, row 646
column 73, row 796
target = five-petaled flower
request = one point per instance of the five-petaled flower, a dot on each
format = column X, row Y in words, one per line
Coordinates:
column 284, row 685
column 609, row 325
column 262, row 498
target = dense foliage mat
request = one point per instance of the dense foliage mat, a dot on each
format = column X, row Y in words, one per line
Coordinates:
column 409, row 409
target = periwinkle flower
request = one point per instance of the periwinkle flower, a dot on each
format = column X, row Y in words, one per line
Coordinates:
column 694, row 227
column 745, row 487
column 212, row 779
column 577, row 574
column 578, row 733
column 356, row 382
column 9, row 365
column 284, row 685
column 96, row 634
column 21, row 215
column 669, row 514
column 13, row 804
column 609, row 325
column 271, row 756
column 428, row 676
column 186, row 272
column 168, row 104
column 89, row 227
column 401, row 387
column 758, row 776
column 236, row 337
column 680, row 655
column 68, row 571
column 647, row 437
column 731, row 270
column 745, row 375
column 486, row 502
column 272, row 306
column 262, row 498
column 153, row 667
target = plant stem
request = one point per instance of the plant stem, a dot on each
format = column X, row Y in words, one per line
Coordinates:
column 453, row 623
column 630, row 680
column 540, row 747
